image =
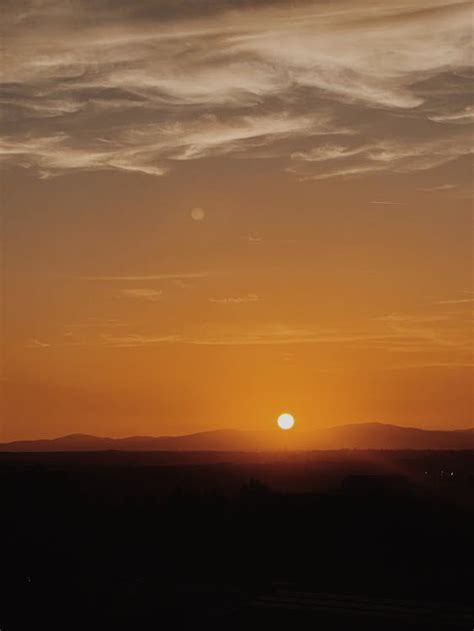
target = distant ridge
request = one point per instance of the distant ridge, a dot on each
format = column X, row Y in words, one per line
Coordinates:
column 354, row 436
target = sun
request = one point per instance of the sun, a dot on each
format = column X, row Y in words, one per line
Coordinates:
column 285, row 421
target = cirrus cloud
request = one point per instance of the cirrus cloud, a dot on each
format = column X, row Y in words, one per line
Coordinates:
column 102, row 85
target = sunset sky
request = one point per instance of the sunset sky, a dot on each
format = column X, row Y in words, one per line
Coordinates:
column 214, row 212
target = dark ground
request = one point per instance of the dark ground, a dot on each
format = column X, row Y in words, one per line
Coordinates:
column 327, row 540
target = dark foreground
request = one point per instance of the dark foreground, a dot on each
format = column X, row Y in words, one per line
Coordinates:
column 326, row 540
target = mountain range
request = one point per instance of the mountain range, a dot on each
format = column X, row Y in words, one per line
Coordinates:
column 353, row 436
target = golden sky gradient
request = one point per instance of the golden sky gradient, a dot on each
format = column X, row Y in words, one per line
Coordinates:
column 211, row 216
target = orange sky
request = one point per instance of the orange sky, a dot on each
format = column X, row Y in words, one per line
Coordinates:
column 328, row 270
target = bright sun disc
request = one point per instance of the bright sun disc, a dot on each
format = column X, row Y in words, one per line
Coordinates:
column 285, row 421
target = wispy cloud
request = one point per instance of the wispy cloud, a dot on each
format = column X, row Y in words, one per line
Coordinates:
column 144, row 293
column 95, row 323
column 440, row 187
column 270, row 335
column 441, row 339
column 236, row 300
column 387, row 203
column 455, row 301
column 139, row 87
column 463, row 116
column 467, row 297
column 401, row 333
column 403, row 155
column 136, row 340
column 147, row 277
column 406, row 341
column 35, row 343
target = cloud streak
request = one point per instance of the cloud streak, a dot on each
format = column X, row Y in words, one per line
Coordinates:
column 395, row 332
column 236, row 300
column 403, row 155
column 147, row 277
column 144, row 293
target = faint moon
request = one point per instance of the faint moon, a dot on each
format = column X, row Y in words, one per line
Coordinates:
column 285, row 421
column 198, row 214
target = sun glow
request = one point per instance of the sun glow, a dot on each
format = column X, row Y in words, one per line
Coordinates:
column 285, row 421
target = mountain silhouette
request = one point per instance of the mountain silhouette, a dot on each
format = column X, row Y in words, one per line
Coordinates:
column 353, row 436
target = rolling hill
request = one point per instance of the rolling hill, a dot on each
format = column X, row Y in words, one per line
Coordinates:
column 354, row 436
